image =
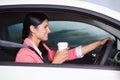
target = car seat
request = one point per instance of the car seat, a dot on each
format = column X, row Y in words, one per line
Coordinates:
column 6, row 54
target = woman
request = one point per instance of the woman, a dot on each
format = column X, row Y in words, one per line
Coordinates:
column 35, row 33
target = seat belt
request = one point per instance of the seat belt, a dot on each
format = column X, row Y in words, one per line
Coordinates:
column 9, row 44
column 45, row 61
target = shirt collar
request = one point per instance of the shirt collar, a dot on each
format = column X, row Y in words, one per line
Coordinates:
column 35, row 47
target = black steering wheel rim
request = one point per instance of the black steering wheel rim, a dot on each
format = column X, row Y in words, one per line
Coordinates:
column 103, row 54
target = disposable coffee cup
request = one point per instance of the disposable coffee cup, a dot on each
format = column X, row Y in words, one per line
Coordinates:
column 62, row 45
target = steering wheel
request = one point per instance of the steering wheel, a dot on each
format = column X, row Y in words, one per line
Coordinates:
column 103, row 54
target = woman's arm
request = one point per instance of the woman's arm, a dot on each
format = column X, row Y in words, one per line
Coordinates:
column 87, row 48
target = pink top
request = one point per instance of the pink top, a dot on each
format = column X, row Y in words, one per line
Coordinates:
column 29, row 56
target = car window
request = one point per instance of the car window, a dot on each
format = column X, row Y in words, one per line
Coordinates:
column 79, row 29
column 75, row 33
column 15, row 32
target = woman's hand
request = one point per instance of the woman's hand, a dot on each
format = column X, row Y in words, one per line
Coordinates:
column 103, row 41
column 60, row 56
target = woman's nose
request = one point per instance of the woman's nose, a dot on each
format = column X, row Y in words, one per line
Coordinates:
column 49, row 30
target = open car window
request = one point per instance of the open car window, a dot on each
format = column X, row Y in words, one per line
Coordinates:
column 75, row 33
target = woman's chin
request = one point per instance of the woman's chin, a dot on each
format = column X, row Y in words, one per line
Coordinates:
column 46, row 39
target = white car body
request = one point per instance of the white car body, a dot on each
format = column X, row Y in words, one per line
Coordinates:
column 54, row 72
column 72, row 3
column 48, row 73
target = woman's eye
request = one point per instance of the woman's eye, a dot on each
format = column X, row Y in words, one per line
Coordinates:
column 45, row 26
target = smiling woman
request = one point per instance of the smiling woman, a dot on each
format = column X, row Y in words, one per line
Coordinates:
column 35, row 33
column 79, row 29
column 75, row 33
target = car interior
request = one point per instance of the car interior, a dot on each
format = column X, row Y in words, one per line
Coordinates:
column 13, row 34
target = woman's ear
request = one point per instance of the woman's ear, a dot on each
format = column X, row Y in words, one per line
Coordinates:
column 32, row 28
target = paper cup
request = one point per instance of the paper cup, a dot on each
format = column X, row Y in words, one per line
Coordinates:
column 62, row 45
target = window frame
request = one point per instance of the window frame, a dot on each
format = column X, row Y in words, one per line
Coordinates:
column 53, row 8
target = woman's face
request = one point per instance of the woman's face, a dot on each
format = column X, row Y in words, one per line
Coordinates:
column 42, row 31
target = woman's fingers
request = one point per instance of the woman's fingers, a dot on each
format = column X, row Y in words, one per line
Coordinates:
column 61, row 56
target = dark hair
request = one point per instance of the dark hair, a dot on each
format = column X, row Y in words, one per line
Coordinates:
column 35, row 19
